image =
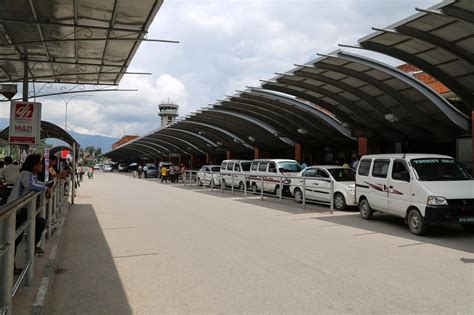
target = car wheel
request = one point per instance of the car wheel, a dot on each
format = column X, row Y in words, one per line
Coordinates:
column 254, row 188
column 298, row 195
column 277, row 191
column 467, row 227
column 241, row 186
column 339, row 202
column 366, row 211
column 415, row 222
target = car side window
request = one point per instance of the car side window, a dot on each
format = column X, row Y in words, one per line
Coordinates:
column 224, row 166
column 272, row 168
column 364, row 167
column 230, row 166
column 262, row 167
column 380, row 168
column 237, row 167
column 310, row 173
column 254, row 166
column 400, row 171
column 322, row 173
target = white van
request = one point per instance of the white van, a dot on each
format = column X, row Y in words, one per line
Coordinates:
column 231, row 172
column 423, row 189
column 266, row 168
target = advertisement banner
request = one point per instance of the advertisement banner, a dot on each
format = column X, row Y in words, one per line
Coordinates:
column 25, row 123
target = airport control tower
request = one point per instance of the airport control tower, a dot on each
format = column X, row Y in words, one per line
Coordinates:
column 168, row 113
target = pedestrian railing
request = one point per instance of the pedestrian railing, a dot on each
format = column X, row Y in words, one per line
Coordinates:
column 50, row 209
column 252, row 185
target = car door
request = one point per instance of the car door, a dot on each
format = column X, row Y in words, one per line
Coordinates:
column 378, row 182
column 323, row 185
column 262, row 171
column 399, row 189
column 310, row 185
column 237, row 177
column 229, row 172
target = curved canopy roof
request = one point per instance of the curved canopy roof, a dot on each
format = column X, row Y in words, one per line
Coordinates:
column 371, row 96
column 251, row 118
column 48, row 130
column 72, row 41
column 439, row 41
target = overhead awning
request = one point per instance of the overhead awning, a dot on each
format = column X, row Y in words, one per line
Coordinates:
column 370, row 96
column 254, row 118
column 439, row 41
column 72, row 41
column 48, row 130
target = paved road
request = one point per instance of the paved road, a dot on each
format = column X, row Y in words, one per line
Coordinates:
column 138, row 246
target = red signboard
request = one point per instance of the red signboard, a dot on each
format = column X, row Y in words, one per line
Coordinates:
column 25, row 123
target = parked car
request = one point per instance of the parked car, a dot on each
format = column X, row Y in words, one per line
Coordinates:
column 150, row 171
column 97, row 166
column 122, row 167
column 318, row 185
column 423, row 189
column 108, row 168
column 232, row 170
column 204, row 175
column 266, row 168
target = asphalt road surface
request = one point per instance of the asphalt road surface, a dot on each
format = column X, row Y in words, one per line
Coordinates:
column 142, row 247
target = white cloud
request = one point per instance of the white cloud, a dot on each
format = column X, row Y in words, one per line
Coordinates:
column 224, row 45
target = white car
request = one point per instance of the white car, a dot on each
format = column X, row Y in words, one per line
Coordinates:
column 235, row 173
column 270, row 171
column 204, row 175
column 318, row 185
column 423, row 189
column 108, row 168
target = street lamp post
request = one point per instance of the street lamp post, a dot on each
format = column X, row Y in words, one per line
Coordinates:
column 66, row 101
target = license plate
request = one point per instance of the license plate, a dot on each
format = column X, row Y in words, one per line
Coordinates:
column 466, row 220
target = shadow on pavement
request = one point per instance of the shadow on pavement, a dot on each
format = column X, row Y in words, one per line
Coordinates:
column 450, row 236
column 87, row 281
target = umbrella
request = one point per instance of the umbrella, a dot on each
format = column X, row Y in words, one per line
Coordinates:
column 133, row 164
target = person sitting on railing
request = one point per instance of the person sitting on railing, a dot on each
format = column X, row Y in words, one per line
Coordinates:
column 25, row 183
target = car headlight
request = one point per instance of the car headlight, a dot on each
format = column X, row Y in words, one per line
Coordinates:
column 351, row 189
column 437, row 201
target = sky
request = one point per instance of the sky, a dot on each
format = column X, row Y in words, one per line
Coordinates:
column 225, row 45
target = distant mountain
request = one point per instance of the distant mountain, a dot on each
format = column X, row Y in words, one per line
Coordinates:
column 105, row 143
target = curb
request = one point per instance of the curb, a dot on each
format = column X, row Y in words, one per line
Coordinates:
column 41, row 299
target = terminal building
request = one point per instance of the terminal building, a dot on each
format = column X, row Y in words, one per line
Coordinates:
column 343, row 104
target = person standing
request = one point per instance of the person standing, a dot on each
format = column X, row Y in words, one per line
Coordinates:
column 26, row 182
column 10, row 172
column 164, row 174
column 140, row 171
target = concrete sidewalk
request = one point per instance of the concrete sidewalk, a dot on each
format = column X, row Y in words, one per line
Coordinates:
column 138, row 246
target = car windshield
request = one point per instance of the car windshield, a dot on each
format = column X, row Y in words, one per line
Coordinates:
column 216, row 169
column 289, row 167
column 343, row 174
column 246, row 166
column 151, row 168
column 439, row 170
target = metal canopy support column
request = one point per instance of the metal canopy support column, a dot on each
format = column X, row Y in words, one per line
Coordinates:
column 207, row 158
column 229, row 155
column 472, row 140
column 256, row 153
column 362, row 146
column 73, row 173
column 298, row 152
column 25, row 75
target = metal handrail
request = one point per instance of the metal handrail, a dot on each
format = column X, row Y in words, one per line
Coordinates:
column 283, row 180
column 8, row 234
